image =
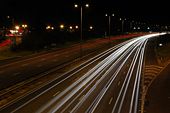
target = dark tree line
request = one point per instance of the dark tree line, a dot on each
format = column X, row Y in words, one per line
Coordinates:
column 36, row 40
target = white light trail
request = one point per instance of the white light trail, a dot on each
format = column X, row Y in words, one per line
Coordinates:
column 98, row 98
column 109, row 62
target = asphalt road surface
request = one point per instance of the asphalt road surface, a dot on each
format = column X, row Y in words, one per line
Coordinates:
column 24, row 68
column 111, row 86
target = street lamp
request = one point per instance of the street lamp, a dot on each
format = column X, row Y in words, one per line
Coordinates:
column 17, row 27
column 75, row 5
column 160, row 44
column 109, row 21
column 131, row 25
column 61, row 26
column 91, row 27
column 71, row 27
column 122, row 24
column 52, row 28
column 24, row 26
column 81, row 23
column 76, row 27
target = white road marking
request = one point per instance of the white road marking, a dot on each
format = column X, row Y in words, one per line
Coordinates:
column 56, row 55
column 16, row 73
column 43, row 59
column 39, row 82
column 24, row 64
column 56, row 94
column 76, row 79
column 110, row 100
column 118, row 83
column 81, row 98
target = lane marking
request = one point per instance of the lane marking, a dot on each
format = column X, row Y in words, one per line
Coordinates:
column 24, row 64
column 43, row 59
column 16, row 73
column 81, row 97
column 56, row 94
column 76, row 79
column 39, row 82
column 56, row 55
column 110, row 100
column 118, row 83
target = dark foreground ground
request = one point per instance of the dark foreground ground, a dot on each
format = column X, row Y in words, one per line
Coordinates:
column 158, row 95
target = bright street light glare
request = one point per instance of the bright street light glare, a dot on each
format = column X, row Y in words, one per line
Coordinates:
column 48, row 27
column 61, row 26
column 76, row 5
column 71, row 27
column 77, row 27
column 24, row 25
column 106, row 15
column 160, row 44
column 91, row 27
column 87, row 5
column 17, row 27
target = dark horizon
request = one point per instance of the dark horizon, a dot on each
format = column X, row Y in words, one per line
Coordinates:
column 64, row 11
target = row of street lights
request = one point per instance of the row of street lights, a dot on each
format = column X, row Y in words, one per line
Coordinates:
column 109, row 21
column 81, row 24
column 63, row 27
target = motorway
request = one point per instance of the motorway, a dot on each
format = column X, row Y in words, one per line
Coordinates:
column 13, row 71
column 31, row 66
column 111, row 83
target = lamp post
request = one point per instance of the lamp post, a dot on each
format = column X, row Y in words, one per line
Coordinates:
column 81, row 24
column 122, row 24
column 109, row 21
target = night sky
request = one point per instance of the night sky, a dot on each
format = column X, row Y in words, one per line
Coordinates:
column 54, row 11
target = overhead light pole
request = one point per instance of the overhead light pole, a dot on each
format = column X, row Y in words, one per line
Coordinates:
column 122, row 24
column 81, row 24
column 109, row 25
